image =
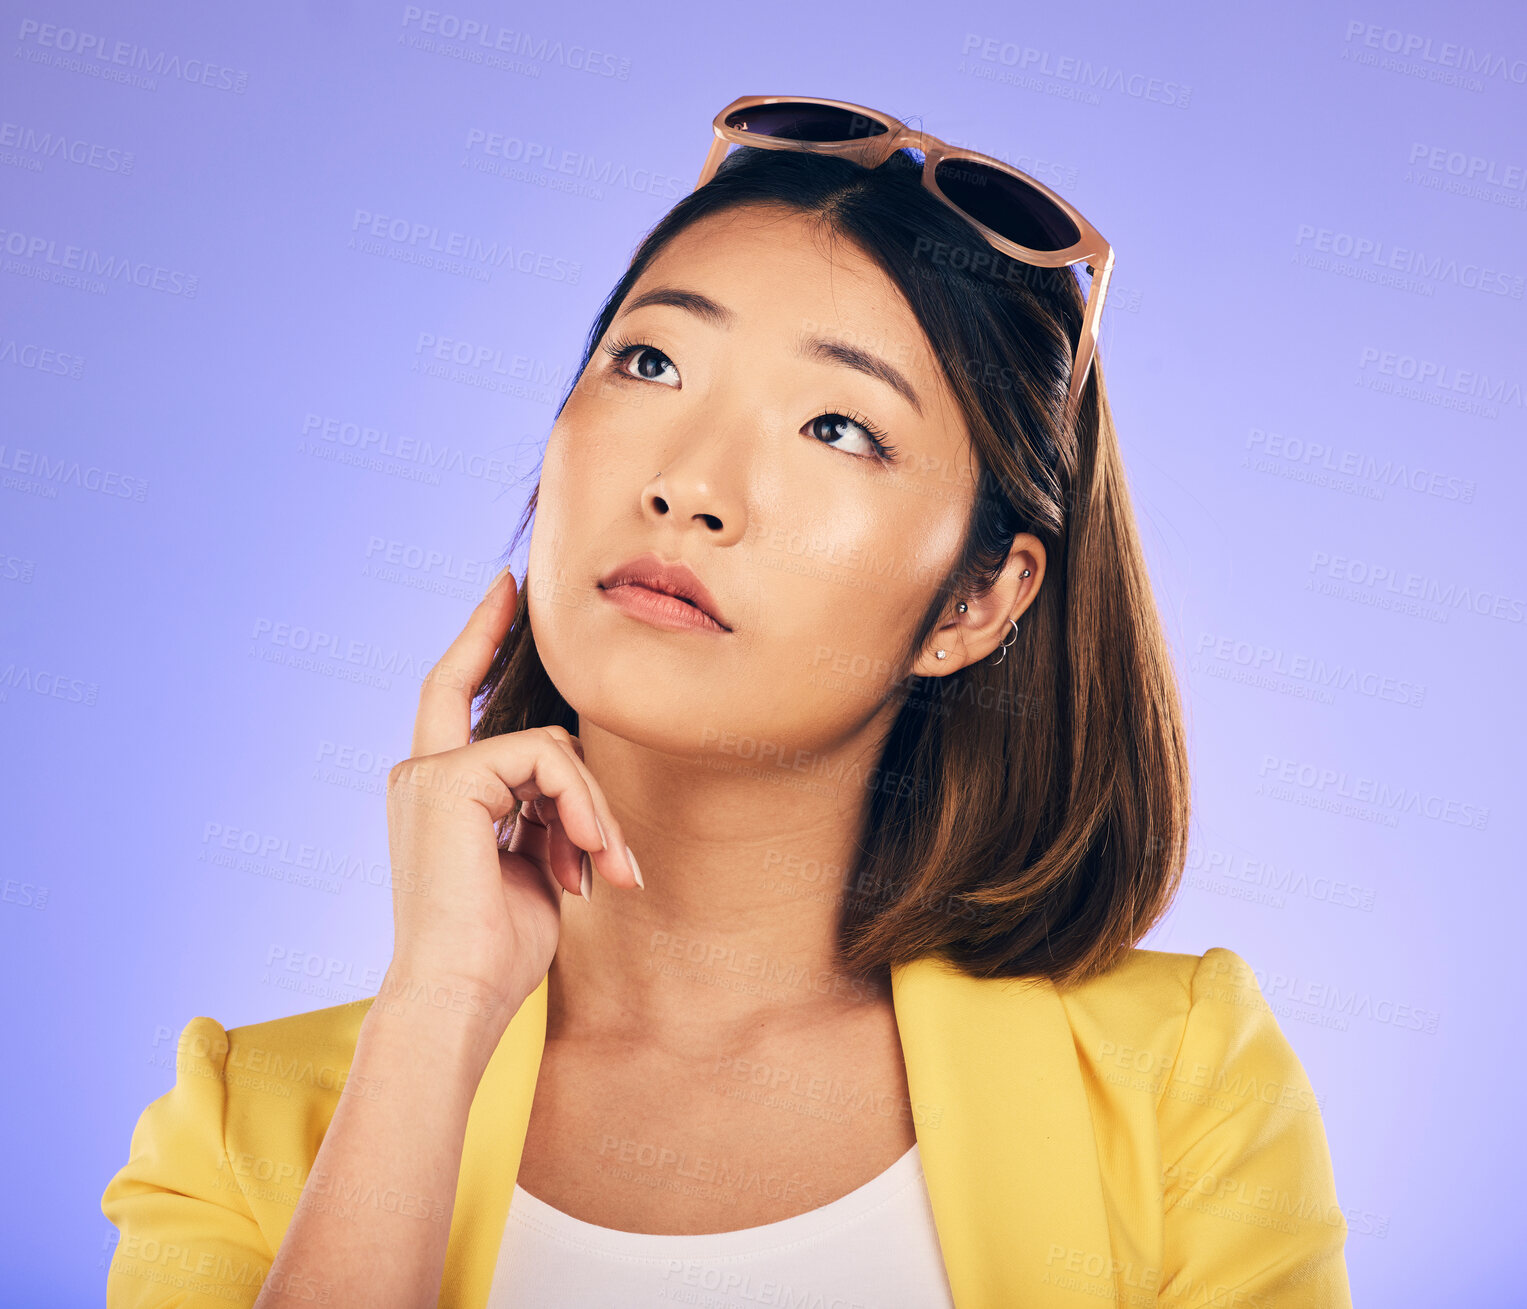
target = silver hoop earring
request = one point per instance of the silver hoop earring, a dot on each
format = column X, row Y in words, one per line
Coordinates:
column 1002, row 649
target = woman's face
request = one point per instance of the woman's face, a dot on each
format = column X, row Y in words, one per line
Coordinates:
column 723, row 438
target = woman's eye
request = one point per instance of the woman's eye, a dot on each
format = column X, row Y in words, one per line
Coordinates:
column 829, row 428
column 649, row 364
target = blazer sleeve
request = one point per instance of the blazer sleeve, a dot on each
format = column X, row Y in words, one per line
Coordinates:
column 187, row 1237
column 1251, row 1217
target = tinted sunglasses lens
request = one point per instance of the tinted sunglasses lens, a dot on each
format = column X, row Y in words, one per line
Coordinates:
column 1008, row 206
column 797, row 121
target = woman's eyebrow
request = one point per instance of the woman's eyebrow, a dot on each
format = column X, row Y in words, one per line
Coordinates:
column 700, row 305
column 824, row 348
column 851, row 356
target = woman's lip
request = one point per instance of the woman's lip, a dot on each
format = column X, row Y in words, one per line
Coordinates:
column 660, row 609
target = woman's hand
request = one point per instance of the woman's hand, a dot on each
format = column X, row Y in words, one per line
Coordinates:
column 476, row 928
column 472, row 922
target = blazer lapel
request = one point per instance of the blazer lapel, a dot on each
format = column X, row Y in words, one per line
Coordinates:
column 1006, row 1139
column 1003, row 1129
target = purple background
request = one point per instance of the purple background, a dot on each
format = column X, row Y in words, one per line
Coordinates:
column 1314, row 349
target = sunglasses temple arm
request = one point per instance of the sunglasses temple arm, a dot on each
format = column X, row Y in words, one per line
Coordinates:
column 713, row 158
column 1087, row 343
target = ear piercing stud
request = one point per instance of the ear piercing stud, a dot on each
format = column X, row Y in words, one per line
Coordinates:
column 962, row 608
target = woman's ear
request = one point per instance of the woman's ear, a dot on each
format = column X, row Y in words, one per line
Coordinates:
column 968, row 635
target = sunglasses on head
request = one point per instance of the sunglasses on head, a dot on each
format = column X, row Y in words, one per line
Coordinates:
column 1016, row 215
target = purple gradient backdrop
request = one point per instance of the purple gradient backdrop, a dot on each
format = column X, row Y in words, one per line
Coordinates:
column 1314, row 349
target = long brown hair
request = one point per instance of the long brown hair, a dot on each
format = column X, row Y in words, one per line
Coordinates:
column 1039, row 823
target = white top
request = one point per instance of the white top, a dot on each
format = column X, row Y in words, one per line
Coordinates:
column 874, row 1248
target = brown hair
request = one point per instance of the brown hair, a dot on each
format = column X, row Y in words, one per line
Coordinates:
column 1040, row 826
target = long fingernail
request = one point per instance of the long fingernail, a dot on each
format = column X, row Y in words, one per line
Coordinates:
column 497, row 578
column 586, row 882
column 604, row 841
column 635, row 868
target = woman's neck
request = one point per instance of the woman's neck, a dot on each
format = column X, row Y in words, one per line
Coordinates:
column 737, row 924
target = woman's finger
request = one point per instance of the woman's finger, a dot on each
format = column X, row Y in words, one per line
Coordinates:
column 536, row 841
column 566, row 858
column 615, row 863
column 538, row 818
column 444, row 718
column 533, row 765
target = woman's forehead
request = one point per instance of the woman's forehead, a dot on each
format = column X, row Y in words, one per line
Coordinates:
column 780, row 270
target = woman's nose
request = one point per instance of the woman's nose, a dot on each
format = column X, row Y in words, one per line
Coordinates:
column 702, row 484
column 678, row 494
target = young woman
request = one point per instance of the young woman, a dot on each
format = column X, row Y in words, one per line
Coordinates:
column 769, row 938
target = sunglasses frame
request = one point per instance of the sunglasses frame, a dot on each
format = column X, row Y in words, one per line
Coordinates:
column 871, row 151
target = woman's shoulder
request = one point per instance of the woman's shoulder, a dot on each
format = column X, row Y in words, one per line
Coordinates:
column 225, row 1152
column 1187, row 1048
column 335, row 1027
column 1151, row 1021
column 284, row 1058
column 1153, row 1010
column 1163, row 973
column 1153, row 986
column 270, row 1080
column 1194, row 1034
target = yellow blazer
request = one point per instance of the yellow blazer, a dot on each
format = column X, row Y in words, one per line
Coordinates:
column 1146, row 1138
